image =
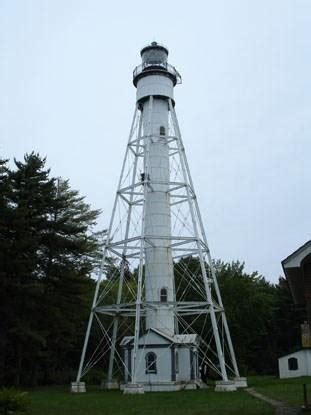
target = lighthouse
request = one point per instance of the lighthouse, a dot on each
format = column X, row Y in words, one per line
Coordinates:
column 167, row 320
column 155, row 81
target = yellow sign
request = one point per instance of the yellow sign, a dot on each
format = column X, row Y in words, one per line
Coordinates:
column 305, row 335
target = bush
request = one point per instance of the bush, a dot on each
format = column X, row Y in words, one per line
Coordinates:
column 13, row 401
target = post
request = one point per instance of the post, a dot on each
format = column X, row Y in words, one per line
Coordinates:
column 305, row 397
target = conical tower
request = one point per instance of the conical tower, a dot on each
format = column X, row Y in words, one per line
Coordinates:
column 157, row 319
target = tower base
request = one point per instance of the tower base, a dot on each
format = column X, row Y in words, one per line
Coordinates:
column 133, row 389
column 159, row 387
column 77, row 387
column 225, row 386
column 240, row 382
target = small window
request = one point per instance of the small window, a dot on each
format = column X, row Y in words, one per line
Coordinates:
column 292, row 363
column 151, row 362
column 163, row 295
column 162, row 130
column 176, row 362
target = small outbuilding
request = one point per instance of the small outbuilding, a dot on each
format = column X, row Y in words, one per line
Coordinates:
column 164, row 363
column 297, row 270
column 295, row 364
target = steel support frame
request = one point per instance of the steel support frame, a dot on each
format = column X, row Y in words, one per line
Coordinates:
column 187, row 175
column 134, row 247
column 100, row 275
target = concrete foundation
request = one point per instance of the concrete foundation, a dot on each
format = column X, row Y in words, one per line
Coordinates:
column 160, row 387
column 169, row 387
column 225, row 386
column 133, row 389
column 77, row 387
column 240, row 382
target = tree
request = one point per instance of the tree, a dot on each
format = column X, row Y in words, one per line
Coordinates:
column 5, row 246
column 261, row 317
column 249, row 302
column 49, row 253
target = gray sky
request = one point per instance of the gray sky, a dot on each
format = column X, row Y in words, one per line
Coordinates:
column 244, row 106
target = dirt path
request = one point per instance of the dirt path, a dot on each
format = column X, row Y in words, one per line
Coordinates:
column 281, row 408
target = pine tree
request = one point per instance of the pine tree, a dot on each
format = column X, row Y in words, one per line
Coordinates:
column 68, row 256
column 5, row 246
column 48, row 257
column 27, row 190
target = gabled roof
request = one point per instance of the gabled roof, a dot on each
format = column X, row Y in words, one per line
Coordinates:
column 294, row 260
column 162, row 334
column 126, row 340
column 176, row 338
column 186, row 338
column 298, row 281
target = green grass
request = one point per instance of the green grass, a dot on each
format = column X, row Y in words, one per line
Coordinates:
column 286, row 390
column 59, row 401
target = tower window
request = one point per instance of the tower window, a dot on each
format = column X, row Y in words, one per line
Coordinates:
column 292, row 363
column 176, row 362
column 163, row 295
column 162, row 130
column 151, row 362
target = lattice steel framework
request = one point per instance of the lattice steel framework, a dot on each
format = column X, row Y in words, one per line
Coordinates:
column 125, row 246
column 120, row 305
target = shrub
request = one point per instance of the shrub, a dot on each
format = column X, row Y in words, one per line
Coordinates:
column 13, row 401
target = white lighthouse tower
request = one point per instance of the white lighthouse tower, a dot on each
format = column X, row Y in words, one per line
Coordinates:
column 157, row 307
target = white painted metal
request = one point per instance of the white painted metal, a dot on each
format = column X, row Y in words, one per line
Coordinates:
column 155, row 85
column 100, row 275
column 203, row 268
column 159, row 262
column 141, row 258
column 156, row 223
column 116, row 318
column 210, row 262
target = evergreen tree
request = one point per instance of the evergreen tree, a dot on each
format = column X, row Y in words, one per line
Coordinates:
column 263, row 322
column 250, row 302
column 49, row 257
column 5, row 246
column 48, row 253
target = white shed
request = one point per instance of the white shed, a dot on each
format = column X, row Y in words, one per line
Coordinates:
column 295, row 364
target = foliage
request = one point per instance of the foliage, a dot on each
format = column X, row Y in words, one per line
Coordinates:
column 47, row 255
column 13, row 401
column 257, row 318
column 261, row 317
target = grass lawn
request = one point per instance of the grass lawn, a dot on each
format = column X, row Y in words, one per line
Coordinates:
column 287, row 390
column 59, row 401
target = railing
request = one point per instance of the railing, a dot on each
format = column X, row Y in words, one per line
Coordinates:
column 145, row 67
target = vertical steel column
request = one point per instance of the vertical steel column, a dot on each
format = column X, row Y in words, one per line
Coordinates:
column 87, row 334
column 128, row 221
column 206, row 284
column 142, row 248
column 219, row 299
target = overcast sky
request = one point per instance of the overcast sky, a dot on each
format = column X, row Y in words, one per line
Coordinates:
column 244, row 106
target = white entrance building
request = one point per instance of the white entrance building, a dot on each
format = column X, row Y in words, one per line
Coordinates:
column 164, row 362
